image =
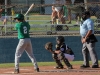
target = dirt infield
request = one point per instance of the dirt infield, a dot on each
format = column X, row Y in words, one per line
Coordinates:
column 49, row 70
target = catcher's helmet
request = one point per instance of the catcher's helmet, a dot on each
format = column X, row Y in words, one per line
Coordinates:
column 60, row 38
column 19, row 16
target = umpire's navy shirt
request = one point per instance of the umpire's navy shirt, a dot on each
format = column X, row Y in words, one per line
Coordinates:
column 87, row 25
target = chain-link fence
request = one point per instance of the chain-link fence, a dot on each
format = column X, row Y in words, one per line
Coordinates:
column 41, row 22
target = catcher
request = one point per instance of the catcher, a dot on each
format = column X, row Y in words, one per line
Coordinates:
column 62, row 53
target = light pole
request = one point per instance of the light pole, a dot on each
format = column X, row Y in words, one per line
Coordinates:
column 42, row 8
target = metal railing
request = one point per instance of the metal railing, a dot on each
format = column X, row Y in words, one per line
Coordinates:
column 48, row 29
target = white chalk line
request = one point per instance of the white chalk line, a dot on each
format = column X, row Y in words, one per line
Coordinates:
column 45, row 71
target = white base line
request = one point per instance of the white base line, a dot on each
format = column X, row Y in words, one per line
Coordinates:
column 70, row 70
column 45, row 71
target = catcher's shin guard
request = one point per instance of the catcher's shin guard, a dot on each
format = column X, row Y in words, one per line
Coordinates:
column 58, row 62
column 67, row 63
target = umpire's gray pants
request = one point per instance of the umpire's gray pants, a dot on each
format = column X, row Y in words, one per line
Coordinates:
column 24, row 45
column 89, row 48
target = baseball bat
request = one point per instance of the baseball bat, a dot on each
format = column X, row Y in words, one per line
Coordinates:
column 30, row 8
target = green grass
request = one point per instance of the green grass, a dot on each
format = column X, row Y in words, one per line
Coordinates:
column 28, row 64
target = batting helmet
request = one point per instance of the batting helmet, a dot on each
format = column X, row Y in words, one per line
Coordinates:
column 60, row 38
column 19, row 16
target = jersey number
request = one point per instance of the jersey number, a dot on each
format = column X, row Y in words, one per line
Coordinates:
column 25, row 29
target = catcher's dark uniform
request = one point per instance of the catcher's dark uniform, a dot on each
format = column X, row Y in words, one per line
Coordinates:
column 65, row 55
column 68, row 53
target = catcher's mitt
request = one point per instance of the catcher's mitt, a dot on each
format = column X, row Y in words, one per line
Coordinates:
column 48, row 46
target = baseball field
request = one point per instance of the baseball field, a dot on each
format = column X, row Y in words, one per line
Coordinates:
column 47, row 68
column 41, row 23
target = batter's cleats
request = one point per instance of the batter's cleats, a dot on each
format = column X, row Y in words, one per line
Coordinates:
column 37, row 70
column 59, row 67
column 16, row 71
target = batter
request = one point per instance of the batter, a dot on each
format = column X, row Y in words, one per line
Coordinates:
column 24, row 44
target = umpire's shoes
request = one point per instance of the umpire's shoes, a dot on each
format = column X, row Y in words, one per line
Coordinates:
column 84, row 66
column 37, row 70
column 16, row 71
column 95, row 66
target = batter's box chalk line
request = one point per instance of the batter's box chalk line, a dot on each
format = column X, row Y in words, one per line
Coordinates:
column 71, row 70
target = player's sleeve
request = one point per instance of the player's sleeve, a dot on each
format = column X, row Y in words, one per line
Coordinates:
column 28, row 25
column 16, row 26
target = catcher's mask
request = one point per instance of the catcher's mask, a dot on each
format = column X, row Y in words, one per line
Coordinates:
column 85, row 15
column 60, row 38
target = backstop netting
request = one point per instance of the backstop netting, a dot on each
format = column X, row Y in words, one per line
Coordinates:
column 41, row 22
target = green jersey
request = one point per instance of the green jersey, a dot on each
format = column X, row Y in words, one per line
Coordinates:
column 65, row 11
column 23, row 29
column 3, row 13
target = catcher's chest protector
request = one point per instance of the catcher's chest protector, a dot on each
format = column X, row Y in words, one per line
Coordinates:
column 66, row 49
column 69, row 50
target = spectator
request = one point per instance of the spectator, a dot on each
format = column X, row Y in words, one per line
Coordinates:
column 79, row 14
column 57, row 12
column 69, row 2
column 3, row 17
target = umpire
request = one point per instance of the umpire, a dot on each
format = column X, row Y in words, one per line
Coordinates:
column 88, row 40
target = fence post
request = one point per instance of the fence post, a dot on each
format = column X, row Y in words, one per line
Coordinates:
column 5, row 15
column 86, row 7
